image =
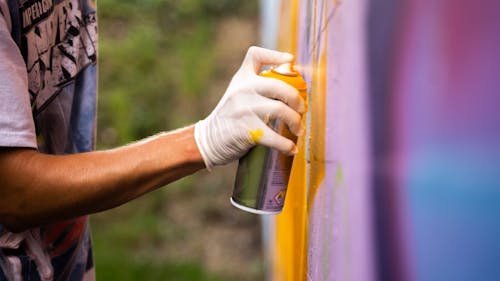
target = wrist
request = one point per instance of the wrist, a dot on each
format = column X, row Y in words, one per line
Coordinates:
column 201, row 144
column 191, row 153
column 179, row 146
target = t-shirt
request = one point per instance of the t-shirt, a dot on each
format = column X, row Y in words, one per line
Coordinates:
column 48, row 51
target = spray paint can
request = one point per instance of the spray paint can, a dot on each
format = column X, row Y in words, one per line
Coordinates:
column 263, row 173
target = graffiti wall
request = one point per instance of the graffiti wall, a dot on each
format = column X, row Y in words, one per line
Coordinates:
column 325, row 229
column 398, row 176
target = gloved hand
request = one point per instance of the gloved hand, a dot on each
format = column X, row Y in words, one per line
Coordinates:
column 239, row 121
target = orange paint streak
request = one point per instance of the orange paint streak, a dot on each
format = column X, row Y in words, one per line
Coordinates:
column 290, row 259
column 291, row 224
column 318, row 114
column 291, row 241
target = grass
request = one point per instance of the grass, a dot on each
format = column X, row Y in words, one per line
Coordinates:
column 128, row 241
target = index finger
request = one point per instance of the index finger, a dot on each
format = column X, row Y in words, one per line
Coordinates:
column 276, row 89
column 257, row 56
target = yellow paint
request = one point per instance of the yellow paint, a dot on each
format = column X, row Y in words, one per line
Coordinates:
column 256, row 135
column 339, row 175
column 318, row 113
column 291, row 224
column 291, row 250
column 290, row 259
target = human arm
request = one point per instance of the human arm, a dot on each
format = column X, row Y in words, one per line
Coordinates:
column 36, row 189
column 39, row 188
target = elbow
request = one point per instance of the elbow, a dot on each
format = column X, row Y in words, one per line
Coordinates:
column 14, row 220
column 18, row 216
column 13, row 225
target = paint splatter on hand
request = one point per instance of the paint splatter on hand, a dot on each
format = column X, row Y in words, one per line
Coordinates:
column 256, row 135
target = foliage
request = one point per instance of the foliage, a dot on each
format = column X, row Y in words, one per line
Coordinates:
column 156, row 60
column 152, row 54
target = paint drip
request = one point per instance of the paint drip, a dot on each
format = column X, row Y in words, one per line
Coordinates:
column 263, row 173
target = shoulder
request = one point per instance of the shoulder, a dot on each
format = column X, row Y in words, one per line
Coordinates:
column 16, row 124
column 5, row 15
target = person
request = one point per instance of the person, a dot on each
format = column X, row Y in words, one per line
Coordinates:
column 51, row 177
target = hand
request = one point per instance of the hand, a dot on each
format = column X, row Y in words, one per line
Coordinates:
column 239, row 121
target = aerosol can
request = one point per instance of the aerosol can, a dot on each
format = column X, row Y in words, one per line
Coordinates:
column 263, row 173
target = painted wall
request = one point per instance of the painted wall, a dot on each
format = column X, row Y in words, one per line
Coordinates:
column 325, row 231
column 398, row 177
column 443, row 140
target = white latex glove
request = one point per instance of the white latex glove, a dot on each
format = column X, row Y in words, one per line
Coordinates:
column 240, row 119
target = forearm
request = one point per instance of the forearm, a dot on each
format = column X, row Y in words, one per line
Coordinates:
column 39, row 188
column 36, row 189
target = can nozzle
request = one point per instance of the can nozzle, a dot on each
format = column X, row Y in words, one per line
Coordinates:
column 285, row 69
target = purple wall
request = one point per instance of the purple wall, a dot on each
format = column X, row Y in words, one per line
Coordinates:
column 403, row 167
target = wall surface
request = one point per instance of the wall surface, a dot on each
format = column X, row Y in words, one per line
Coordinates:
column 443, row 97
column 398, row 175
column 324, row 232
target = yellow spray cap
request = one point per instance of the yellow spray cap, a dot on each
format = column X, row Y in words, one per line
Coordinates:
column 287, row 73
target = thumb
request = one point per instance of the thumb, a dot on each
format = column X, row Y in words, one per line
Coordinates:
column 257, row 56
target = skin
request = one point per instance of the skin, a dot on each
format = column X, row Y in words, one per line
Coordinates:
column 37, row 189
column 79, row 184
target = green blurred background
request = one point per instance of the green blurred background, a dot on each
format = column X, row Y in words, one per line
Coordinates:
column 165, row 64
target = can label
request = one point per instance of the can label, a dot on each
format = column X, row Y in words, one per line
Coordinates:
column 277, row 182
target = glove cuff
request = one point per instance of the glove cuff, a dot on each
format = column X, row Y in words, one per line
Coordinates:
column 221, row 141
column 200, row 137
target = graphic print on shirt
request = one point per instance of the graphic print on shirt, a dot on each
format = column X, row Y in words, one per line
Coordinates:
column 58, row 40
column 59, row 43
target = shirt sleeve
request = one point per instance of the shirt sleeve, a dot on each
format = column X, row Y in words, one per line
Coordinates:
column 17, row 127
